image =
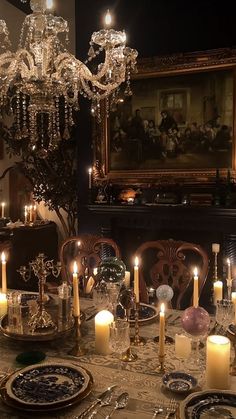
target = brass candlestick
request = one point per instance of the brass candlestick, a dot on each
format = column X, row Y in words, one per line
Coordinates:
column 41, row 268
column 77, row 350
column 137, row 340
column 161, row 367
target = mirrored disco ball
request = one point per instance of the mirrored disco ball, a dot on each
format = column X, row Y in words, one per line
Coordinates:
column 164, row 293
column 111, row 270
column 195, row 321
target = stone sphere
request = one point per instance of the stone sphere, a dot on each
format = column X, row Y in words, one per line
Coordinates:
column 111, row 270
column 164, row 293
column 195, row 321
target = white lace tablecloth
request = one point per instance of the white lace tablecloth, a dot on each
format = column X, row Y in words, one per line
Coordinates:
column 138, row 378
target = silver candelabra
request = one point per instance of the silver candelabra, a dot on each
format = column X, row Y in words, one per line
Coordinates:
column 41, row 268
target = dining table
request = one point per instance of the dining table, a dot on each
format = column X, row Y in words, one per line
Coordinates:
column 140, row 378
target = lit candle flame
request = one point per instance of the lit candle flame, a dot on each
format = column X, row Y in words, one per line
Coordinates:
column 75, row 268
column 136, row 262
column 79, row 243
column 162, row 308
column 228, row 261
column 195, row 272
column 90, row 170
column 108, row 19
column 3, row 257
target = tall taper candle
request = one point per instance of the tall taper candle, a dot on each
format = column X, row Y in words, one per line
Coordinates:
column 162, row 331
column 3, row 209
column 136, row 279
column 195, row 288
column 76, row 303
column 4, row 273
column 229, row 278
column 90, row 177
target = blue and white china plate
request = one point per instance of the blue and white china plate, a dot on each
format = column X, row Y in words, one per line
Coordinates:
column 209, row 404
column 146, row 313
column 179, row 382
column 47, row 384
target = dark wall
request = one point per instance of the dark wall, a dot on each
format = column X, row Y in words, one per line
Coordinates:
column 153, row 27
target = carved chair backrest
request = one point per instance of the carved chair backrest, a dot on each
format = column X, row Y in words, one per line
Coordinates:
column 171, row 262
column 87, row 250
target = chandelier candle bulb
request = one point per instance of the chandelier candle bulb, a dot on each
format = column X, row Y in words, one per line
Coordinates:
column 218, row 362
column 195, row 288
column 162, row 331
column 76, row 302
column 215, row 247
column 233, row 298
column 102, row 331
column 4, row 273
column 3, row 304
column 136, row 279
column 218, row 291
column 127, row 279
column 3, row 209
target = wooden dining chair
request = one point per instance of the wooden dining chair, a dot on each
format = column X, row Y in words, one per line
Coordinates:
column 171, row 262
column 87, row 250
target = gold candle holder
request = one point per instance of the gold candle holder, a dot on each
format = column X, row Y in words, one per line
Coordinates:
column 137, row 340
column 77, row 350
column 161, row 367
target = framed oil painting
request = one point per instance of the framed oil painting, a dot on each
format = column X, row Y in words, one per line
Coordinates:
column 179, row 122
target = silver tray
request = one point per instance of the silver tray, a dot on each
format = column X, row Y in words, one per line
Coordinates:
column 45, row 335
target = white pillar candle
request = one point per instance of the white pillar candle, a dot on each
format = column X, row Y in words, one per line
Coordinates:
column 233, row 298
column 127, row 279
column 162, row 331
column 76, row 303
column 195, row 288
column 218, row 291
column 215, row 247
column 102, row 332
column 136, row 279
column 218, row 362
column 4, row 273
column 3, row 304
column 182, row 346
column 3, row 209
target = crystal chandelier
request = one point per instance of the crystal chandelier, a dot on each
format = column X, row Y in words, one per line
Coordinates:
column 41, row 82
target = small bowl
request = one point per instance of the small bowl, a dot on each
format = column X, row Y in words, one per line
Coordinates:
column 179, row 382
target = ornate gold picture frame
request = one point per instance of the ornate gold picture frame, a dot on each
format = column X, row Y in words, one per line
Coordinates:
column 179, row 124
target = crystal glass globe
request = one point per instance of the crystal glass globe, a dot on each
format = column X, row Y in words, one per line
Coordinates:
column 195, row 321
column 164, row 293
column 111, row 270
column 38, row 5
